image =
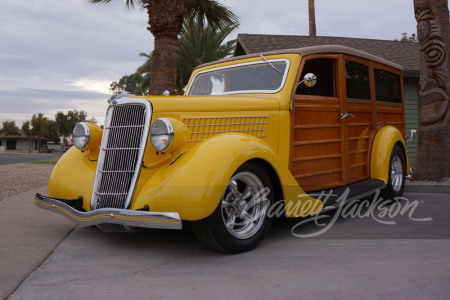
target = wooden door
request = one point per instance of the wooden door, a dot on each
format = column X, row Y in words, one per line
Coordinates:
column 318, row 143
column 358, row 116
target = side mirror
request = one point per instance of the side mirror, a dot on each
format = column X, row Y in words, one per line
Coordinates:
column 310, row 79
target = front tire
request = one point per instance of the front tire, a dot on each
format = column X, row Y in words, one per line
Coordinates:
column 239, row 222
column 397, row 173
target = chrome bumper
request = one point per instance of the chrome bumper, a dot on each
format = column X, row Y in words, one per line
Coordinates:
column 160, row 220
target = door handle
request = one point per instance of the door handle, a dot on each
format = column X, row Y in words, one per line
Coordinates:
column 347, row 115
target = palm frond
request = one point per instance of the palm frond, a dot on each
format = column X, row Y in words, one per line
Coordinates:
column 211, row 11
column 147, row 66
column 199, row 44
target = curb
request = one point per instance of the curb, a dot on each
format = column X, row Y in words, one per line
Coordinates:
column 426, row 188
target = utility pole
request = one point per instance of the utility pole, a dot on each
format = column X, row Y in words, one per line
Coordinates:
column 312, row 18
column 39, row 133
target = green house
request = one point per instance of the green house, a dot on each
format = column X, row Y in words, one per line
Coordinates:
column 405, row 54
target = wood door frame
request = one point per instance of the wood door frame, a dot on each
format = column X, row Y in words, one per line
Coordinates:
column 338, row 96
column 370, row 102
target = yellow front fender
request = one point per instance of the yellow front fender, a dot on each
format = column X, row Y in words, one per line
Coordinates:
column 193, row 184
column 73, row 176
column 384, row 142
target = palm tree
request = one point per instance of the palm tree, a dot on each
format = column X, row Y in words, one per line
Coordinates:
column 144, row 71
column 165, row 19
column 197, row 44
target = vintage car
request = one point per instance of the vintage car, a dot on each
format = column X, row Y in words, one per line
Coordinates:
column 252, row 136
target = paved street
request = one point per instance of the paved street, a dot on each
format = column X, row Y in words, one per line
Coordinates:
column 357, row 258
column 14, row 158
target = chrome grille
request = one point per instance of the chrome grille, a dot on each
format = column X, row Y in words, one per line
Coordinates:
column 123, row 144
column 109, row 227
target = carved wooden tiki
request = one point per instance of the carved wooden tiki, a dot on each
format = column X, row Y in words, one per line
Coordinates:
column 433, row 148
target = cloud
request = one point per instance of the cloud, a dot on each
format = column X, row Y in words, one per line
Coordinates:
column 21, row 104
column 58, row 55
column 50, row 94
column 61, row 55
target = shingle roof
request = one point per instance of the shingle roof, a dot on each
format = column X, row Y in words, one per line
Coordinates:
column 21, row 135
column 405, row 54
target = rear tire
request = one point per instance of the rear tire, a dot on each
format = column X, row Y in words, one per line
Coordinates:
column 239, row 222
column 397, row 173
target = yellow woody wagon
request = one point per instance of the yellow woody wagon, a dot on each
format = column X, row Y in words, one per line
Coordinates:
column 251, row 134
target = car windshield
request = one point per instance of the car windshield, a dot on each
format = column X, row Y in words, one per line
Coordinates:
column 254, row 77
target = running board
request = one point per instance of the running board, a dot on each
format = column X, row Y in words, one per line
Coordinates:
column 333, row 198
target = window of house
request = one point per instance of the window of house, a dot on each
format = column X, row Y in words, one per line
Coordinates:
column 357, row 80
column 324, row 69
column 387, row 86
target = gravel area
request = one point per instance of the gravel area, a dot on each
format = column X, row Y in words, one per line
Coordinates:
column 18, row 178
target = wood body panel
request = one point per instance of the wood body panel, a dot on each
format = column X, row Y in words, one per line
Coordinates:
column 390, row 115
column 327, row 150
column 360, row 131
column 317, row 147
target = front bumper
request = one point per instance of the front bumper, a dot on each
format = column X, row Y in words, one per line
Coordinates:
column 160, row 220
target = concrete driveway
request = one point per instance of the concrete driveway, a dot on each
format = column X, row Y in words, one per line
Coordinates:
column 357, row 258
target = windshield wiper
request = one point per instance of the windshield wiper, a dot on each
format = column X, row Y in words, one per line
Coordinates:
column 270, row 64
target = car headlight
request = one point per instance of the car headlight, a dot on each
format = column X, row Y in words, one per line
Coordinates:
column 81, row 135
column 161, row 134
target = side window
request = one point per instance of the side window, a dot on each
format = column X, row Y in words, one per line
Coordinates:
column 357, row 80
column 387, row 86
column 324, row 69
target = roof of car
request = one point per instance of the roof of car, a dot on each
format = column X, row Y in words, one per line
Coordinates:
column 306, row 51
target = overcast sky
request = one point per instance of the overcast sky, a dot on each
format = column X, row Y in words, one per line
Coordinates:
column 63, row 55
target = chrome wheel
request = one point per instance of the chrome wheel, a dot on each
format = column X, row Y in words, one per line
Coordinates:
column 244, row 205
column 239, row 222
column 396, row 173
column 395, row 184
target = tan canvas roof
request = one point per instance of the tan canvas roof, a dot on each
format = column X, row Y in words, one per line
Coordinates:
column 305, row 51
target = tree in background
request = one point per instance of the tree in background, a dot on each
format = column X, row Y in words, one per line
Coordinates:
column 198, row 44
column 433, row 146
column 64, row 123
column 165, row 19
column 53, row 134
column 406, row 38
column 26, row 129
column 40, row 125
column 10, row 128
column 144, row 71
column 128, row 83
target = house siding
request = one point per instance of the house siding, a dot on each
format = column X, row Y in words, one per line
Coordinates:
column 20, row 144
column 411, row 90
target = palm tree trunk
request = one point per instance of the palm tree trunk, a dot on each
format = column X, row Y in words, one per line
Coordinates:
column 312, row 18
column 165, row 19
column 163, row 75
column 433, row 147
